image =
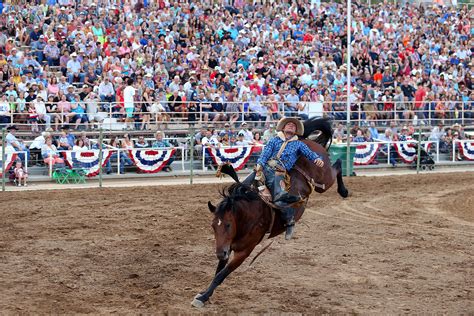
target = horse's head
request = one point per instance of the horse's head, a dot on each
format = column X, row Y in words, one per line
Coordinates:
column 227, row 223
column 225, row 229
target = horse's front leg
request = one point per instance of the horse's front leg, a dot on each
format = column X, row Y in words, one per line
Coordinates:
column 221, row 265
column 236, row 261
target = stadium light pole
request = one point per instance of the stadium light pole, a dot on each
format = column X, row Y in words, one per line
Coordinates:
column 348, row 101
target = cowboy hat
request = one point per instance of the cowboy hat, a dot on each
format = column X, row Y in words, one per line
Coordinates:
column 299, row 126
column 9, row 128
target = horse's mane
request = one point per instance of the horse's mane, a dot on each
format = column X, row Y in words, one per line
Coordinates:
column 234, row 193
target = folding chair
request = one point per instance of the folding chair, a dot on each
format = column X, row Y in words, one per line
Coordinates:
column 62, row 175
column 78, row 175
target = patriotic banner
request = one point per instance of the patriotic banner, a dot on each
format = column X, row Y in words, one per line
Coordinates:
column 88, row 160
column 151, row 160
column 406, row 151
column 466, row 149
column 10, row 159
column 236, row 156
column 365, row 154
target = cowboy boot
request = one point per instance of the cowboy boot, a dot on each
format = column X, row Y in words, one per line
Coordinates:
column 281, row 197
column 288, row 215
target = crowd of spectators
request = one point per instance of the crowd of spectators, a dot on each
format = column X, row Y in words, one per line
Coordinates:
column 262, row 61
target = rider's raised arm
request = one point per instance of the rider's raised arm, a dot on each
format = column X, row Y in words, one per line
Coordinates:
column 308, row 153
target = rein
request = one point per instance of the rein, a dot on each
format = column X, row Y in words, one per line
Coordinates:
column 313, row 184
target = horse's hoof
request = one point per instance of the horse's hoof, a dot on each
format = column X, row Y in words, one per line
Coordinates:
column 344, row 193
column 197, row 302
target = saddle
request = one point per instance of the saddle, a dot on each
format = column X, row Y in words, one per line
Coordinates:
column 253, row 184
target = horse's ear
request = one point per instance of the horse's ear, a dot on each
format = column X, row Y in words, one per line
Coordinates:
column 212, row 208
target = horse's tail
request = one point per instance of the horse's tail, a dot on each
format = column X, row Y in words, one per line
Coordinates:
column 323, row 125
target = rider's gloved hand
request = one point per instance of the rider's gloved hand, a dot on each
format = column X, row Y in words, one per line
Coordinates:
column 258, row 172
column 319, row 162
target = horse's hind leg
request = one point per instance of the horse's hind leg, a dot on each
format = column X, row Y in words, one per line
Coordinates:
column 236, row 261
column 341, row 188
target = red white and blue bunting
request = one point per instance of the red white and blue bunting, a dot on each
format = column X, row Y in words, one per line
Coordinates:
column 87, row 160
column 365, row 154
column 151, row 160
column 466, row 149
column 236, row 156
column 10, row 158
column 406, row 151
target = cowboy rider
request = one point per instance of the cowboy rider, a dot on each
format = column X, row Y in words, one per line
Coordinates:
column 278, row 157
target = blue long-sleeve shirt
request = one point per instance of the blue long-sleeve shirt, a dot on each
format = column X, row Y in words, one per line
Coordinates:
column 289, row 156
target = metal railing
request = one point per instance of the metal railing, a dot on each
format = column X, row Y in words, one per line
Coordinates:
column 244, row 157
column 113, row 116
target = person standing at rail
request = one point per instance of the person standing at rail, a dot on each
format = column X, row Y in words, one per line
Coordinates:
column 129, row 104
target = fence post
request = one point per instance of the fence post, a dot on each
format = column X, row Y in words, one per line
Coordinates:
column 50, row 166
column 191, row 157
column 348, row 150
column 418, row 151
column 100, row 156
column 118, row 161
column 429, row 115
column 3, row 159
column 203, row 158
column 388, row 152
column 454, row 150
column 110, row 116
column 26, row 161
column 437, row 151
column 184, row 153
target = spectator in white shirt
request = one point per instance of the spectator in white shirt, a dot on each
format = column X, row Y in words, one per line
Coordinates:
column 40, row 108
column 106, row 91
column 74, row 69
column 241, row 141
column 174, row 86
column 4, row 111
column 63, row 85
column 244, row 89
column 247, row 132
column 22, row 86
column 128, row 100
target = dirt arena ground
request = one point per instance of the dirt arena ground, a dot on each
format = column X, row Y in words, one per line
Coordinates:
column 397, row 245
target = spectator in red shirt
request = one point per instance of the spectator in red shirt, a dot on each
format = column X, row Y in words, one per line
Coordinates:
column 378, row 76
column 420, row 96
